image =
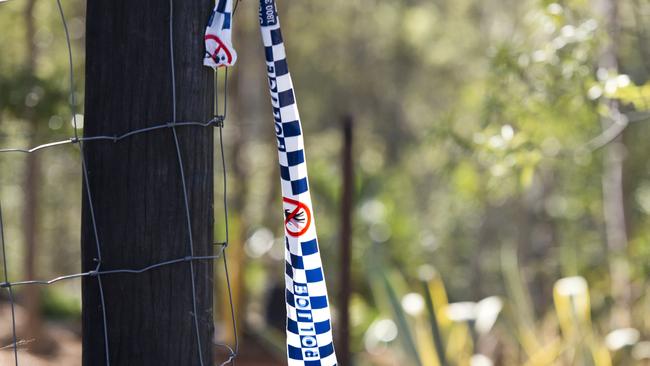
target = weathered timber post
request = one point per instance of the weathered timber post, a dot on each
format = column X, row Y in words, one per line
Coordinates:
column 136, row 187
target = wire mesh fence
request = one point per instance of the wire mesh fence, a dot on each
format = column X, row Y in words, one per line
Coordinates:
column 99, row 273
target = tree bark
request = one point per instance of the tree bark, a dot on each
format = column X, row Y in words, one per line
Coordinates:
column 136, row 188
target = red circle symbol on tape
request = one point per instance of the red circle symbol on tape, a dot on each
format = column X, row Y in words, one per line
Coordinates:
column 220, row 47
column 297, row 217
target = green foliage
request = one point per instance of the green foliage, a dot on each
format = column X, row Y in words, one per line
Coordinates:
column 400, row 316
column 473, row 123
column 460, row 330
column 59, row 305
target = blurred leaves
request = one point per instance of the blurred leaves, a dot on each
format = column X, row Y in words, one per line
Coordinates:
column 471, row 121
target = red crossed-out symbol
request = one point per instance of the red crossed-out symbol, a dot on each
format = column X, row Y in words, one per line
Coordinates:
column 220, row 46
column 297, row 217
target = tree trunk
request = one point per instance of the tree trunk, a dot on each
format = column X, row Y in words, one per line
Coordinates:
column 136, row 187
column 33, row 327
column 347, row 206
column 612, row 181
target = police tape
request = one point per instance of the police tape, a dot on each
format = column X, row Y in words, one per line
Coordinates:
column 309, row 326
column 309, row 322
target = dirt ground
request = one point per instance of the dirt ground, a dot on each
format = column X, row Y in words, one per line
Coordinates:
column 68, row 343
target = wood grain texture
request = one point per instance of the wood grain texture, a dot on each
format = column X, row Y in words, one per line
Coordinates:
column 136, row 185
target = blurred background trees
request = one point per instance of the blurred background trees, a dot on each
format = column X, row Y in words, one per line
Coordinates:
column 500, row 146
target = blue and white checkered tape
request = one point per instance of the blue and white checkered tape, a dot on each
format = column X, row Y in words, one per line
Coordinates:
column 309, row 323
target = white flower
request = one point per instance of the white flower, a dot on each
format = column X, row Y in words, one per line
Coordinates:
column 621, row 338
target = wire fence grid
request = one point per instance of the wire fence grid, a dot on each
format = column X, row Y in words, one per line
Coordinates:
column 98, row 273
